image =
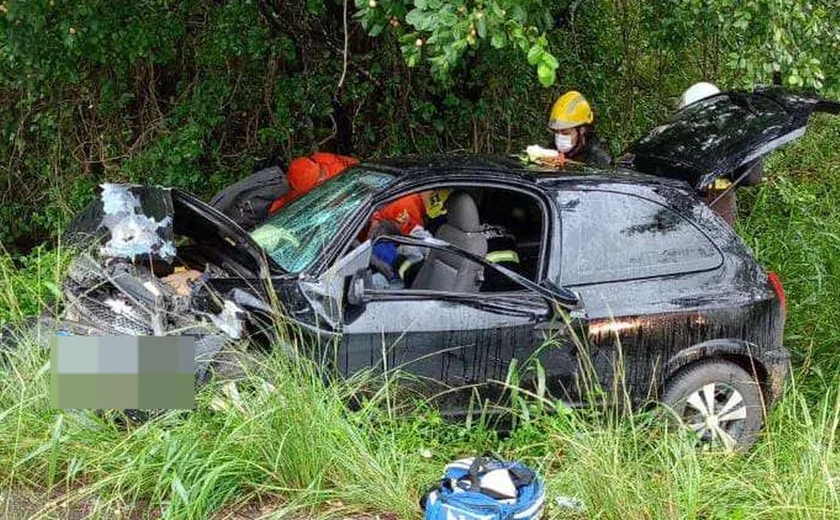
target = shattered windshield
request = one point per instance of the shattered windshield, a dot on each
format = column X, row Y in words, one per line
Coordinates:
column 297, row 234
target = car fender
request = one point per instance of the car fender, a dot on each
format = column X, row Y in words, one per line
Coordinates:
column 717, row 348
column 772, row 368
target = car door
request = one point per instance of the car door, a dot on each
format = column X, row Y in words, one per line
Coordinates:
column 454, row 349
column 454, row 346
column 719, row 135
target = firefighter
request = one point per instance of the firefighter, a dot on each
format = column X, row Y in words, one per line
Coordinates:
column 572, row 122
column 307, row 172
column 720, row 195
column 696, row 92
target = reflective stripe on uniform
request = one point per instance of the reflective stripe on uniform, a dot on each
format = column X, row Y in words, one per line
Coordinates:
column 506, row 255
column 404, row 267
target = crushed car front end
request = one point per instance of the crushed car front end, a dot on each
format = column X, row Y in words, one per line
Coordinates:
column 156, row 261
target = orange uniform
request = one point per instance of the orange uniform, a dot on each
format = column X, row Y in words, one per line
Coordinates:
column 406, row 212
column 307, row 172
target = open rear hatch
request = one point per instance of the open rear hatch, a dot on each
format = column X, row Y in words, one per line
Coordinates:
column 720, row 135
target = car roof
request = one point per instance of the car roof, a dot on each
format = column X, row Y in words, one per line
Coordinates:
column 410, row 169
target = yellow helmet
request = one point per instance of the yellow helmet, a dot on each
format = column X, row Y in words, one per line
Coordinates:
column 570, row 110
column 435, row 201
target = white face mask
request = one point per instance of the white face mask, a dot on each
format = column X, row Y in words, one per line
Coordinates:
column 563, row 142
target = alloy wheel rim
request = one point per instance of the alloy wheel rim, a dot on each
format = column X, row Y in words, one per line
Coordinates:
column 716, row 412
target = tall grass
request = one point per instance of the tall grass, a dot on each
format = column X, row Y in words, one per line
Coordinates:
column 290, row 440
column 792, row 225
column 294, row 442
column 293, row 437
column 29, row 284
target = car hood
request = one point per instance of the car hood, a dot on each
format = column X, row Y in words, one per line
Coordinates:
column 714, row 137
column 137, row 220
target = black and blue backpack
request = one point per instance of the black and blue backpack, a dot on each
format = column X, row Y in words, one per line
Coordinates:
column 485, row 488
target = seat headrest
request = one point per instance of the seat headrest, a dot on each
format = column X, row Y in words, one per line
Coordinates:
column 462, row 212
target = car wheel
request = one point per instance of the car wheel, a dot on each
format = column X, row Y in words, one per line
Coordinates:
column 719, row 401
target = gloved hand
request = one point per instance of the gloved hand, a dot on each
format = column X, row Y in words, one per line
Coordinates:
column 548, row 156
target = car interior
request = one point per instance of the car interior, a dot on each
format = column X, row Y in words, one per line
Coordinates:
column 503, row 226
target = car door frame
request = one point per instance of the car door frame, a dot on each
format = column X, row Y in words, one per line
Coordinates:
column 422, row 331
column 612, row 331
column 548, row 329
column 454, row 178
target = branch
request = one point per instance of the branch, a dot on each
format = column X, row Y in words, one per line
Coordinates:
column 346, row 48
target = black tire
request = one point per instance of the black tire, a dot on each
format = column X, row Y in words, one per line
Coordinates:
column 743, row 417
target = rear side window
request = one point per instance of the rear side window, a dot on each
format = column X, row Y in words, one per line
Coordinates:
column 610, row 237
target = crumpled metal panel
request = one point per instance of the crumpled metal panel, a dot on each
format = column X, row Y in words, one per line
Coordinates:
column 125, row 298
column 134, row 228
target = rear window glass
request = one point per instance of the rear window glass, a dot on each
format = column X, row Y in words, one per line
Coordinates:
column 611, row 237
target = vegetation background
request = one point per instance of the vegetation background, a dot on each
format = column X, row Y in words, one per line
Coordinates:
column 200, row 93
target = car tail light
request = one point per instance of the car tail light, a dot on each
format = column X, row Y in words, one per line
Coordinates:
column 776, row 282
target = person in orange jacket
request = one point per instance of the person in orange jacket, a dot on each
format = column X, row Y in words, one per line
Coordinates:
column 305, row 173
column 407, row 213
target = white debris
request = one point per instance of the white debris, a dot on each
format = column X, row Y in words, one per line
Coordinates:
column 132, row 233
column 152, row 288
column 118, row 199
column 229, row 320
column 536, row 152
column 571, row 503
column 119, row 307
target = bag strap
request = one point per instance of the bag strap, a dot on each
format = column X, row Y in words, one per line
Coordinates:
column 440, row 486
column 474, row 472
column 522, row 476
column 480, row 465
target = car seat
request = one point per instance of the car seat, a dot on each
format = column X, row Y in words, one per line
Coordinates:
column 444, row 271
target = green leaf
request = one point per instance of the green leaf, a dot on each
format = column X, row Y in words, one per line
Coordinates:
column 498, row 40
column 497, row 10
column 376, row 29
column 447, row 18
column 741, row 23
column 535, row 55
column 546, row 74
column 481, row 27
column 418, row 19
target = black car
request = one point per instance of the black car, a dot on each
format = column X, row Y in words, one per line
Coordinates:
column 612, row 278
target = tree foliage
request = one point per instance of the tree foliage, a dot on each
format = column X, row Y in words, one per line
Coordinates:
column 797, row 40
column 196, row 94
column 441, row 31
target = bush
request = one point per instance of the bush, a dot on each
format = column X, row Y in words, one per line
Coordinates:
column 196, row 94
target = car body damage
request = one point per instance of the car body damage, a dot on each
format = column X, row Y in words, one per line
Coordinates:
column 612, row 278
column 130, row 278
column 703, row 296
column 132, row 232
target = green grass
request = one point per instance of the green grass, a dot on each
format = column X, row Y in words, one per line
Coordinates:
column 793, row 227
column 299, row 448
column 29, row 284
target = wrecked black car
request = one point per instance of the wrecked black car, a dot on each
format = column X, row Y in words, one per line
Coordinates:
column 605, row 279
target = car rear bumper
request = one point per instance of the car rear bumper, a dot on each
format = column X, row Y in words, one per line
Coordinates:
column 777, row 365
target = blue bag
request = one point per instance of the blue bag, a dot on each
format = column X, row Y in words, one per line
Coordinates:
column 462, row 495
